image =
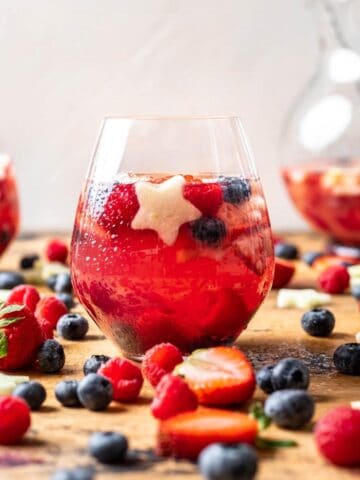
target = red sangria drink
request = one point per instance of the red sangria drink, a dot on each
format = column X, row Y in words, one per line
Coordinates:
column 9, row 206
column 327, row 194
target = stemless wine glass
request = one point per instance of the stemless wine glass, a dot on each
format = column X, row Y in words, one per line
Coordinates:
column 9, row 205
column 172, row 240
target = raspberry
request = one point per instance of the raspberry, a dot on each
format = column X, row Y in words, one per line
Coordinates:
column 20, row 337
column 50, row 309
column 160, row 360
column 24, row 295
column 125, row 377
column 46, row 329
column 334, row 279
column 337, row 436
column 173, row 396
column 120, row 208
column 206, row 197
column 15, row 420
column 56, row 251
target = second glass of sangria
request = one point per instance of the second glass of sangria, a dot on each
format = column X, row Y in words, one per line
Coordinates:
column 172, row 241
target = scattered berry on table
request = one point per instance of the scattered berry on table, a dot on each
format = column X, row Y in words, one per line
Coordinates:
column 63, row 283
column 95, row 392
column 66, row 393
column 51, row 280
column 126, row 378
column 20, row 337
column 32, row 392
column 218, row 375
column 56, row 251
column 284, row 271
column 172, row 396
column 72, row 326
column 108, row 447
column 318, row 322
column 208, row 230
column 50, row 309
column 235, row 190
column 290, row 373
column 160, row 360
column 67, row 299
column 287, row 251
column 93, row 363
column 77, row 473
column 264, row 378
column 290, row 408
column 334, row 279
column 24, row 295
column 310, row 257
column 27, row 261
column 337, row 436
column 231, row 462
column 185, row 435
column 9, row 280
column 51, row 357
column 347, row 359
column 15, row 419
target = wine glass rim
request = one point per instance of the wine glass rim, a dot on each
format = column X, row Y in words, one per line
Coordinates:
column 171, row 117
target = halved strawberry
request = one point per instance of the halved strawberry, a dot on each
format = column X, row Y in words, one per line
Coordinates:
column 218, row 375
column 207, row 197
column 322, row 263
column 284, row 271
column 120, row 207
column 187, row 434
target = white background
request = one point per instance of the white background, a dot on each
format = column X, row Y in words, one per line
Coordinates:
column 65, row 64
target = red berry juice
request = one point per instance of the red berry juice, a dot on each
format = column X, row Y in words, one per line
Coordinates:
column 9, row 206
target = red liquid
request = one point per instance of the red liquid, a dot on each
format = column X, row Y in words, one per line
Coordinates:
column 328, row 196
column 141, row 291
column 9, row 207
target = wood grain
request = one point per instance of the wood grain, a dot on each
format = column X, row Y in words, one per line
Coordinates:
column 58, row 436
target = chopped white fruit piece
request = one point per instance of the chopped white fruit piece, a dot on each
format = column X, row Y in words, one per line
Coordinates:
column 357, row 337
column 52, row 268
column 14, row 378
column 8, row 382
column 354, row 282
column 355, row 405
column 163, row 208
column 4, row 295
column 306, row 298
column 354, row 271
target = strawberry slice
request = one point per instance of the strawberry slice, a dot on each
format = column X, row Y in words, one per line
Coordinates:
column 207, row 197
column 120, row 208
column 218, row 375
column 187, row 434
column 284, row 271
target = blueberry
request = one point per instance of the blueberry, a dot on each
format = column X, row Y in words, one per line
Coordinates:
column 290, row 373
column 9, row 280
column 310, row 257
column 318, row 322
column 355, row 292
column 77, row 473
column 27, row 262
column 95, row 392
column 50, row 281
column 66, row 393
column 72, row 326
column 108, row 447
column 63, row 283
column 220, row 461
column 291, row 408
column 235, row 190
column 286, row 250
column 51, row 356
column 264, row 379
column 208, row 230
column 32, row 392
column 94, row 362
column 67, row 299
column 347, row 359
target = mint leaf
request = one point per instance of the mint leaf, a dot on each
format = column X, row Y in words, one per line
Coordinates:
column 256, row 411
column 8, row 321
column 4, row 310
column 3, row 344
column 268, row 443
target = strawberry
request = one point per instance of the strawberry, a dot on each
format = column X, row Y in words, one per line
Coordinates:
column 120, row 208
column 284, row 271
column 337, row 436
column 334, row 279
column 172, row 396
column 15, row 419
column 56, row 251
column 187, row 434
column 24, row 295
column 160, row 360
column 20, row 336
column 218, row 375
column 207, row 197
column 125, row 377
column 49, row 310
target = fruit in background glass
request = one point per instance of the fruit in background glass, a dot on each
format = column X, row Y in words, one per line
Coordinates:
column 284, row 271
column 9, row 204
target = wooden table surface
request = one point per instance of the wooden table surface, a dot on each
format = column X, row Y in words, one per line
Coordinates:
column 58, row 436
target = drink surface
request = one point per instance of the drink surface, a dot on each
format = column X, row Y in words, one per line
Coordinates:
column 9, row 207
column 327, row 194
column 182, row 259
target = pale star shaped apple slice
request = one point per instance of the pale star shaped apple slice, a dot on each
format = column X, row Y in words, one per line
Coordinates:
column 163, row 208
